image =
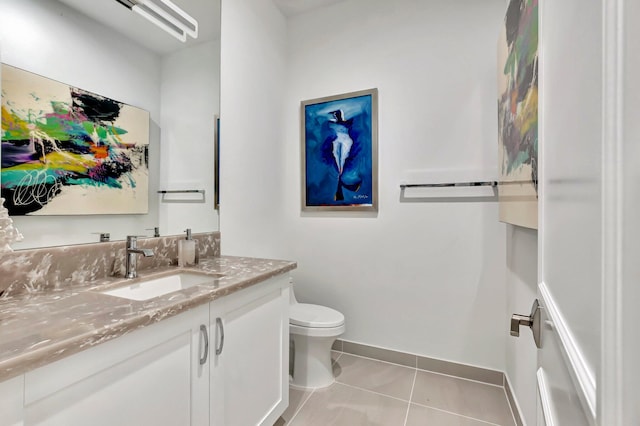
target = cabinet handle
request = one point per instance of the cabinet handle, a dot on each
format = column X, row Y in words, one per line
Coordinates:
column 220, row 327
column 203, row 331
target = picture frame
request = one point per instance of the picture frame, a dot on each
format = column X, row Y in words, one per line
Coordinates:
column 339, row 152
column 68, row 151
column 518, row 115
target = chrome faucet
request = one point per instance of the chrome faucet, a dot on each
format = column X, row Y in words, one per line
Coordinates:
column 132, row 259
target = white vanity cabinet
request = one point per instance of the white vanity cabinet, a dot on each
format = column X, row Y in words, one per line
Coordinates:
column 11, row 395
column 250, row 355
column 157, row 375
column 168, row 373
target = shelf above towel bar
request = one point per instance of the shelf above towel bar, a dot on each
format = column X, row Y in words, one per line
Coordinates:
column 447, row 185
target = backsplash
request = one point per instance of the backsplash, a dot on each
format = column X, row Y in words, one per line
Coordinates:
column 61, row 267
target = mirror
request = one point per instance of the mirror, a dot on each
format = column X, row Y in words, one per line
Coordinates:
column 103, row 47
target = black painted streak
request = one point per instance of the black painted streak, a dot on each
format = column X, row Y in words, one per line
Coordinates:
column 512, row 20
column 96, row 108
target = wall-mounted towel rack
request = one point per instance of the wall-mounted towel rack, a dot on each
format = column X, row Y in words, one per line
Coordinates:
column 491, row 183
column 182, row 191
column 189, row 196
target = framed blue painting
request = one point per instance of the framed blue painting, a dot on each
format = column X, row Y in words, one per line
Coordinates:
column 340, row 152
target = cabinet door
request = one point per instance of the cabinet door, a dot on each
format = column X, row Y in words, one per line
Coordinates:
column 152, row 376
column 255, row 355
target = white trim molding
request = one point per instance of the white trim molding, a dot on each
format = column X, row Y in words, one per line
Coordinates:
column 611, row 375
column 582, row 376
column 545, row 398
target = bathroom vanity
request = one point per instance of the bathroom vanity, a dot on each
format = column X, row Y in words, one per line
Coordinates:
column 213, row 352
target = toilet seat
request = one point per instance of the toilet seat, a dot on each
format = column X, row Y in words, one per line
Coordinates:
column 317, row 331
column 314, row 316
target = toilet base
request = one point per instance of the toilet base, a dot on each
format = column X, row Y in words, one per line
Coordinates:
column 312, row 361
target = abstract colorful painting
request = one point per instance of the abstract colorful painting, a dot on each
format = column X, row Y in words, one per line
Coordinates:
column 67, row 151
column 340, row 152
column 518, row 114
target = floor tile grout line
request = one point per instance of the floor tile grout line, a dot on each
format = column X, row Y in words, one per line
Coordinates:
column 379, row 360
column 455, row 414
column 406, row 416
column 373, row 392
column 461, row 378
column 300, row 407
column 421, row 369
column 513, row 414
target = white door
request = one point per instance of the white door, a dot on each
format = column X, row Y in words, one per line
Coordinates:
column 589, row 198
column 570, row 207
column 619, row 397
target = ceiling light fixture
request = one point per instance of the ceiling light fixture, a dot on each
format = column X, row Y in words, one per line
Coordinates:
column 166, row 15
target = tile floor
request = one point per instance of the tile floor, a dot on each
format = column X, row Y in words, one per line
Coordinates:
column 371, row 392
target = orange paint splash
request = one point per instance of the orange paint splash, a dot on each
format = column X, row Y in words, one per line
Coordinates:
column 100, row 151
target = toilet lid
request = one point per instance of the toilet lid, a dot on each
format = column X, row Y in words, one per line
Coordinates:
column 306, row 315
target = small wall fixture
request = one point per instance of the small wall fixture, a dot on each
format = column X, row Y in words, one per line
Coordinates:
column 166, row 15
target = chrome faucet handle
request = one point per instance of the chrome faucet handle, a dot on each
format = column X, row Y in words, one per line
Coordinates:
column 132, row 246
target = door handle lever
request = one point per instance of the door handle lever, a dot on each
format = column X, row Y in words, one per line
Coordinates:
column 517, row 320
column 532, row 321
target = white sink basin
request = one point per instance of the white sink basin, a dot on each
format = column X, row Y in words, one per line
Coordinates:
column 159, row 286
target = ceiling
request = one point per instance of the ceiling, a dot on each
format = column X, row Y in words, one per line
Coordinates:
column 114, row 15
column 207, row 12
column 297, row 7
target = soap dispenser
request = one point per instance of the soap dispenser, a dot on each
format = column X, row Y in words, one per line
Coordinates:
column 187, row 250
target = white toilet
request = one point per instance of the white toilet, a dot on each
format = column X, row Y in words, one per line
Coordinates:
column 313, row 329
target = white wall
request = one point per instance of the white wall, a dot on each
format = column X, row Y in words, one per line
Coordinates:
column 52, row 40
column 427, row 277
column 253, row 76
column 190, row 98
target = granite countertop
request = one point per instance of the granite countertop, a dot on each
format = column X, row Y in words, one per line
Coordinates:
column 42, row 327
